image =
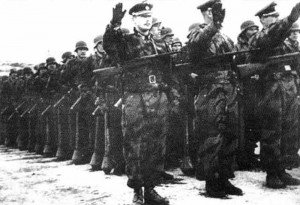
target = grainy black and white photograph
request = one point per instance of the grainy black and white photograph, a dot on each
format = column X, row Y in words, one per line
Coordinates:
column 149, row 102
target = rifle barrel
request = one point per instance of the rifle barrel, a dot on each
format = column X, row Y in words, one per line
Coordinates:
column 76, row 103
column 59, row 101
column 19, row 106
column 32, row 108
column 96, row 110
column 46, row 110
column 4, row 110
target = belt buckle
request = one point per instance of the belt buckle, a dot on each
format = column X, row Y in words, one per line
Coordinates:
column 287, row 68
column 152, row 79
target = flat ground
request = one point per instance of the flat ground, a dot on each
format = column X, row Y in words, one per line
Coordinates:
column 26, row 178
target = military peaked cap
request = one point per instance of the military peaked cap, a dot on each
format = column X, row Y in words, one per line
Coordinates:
column 208, row 4
column 140, row 9
column 269, row 10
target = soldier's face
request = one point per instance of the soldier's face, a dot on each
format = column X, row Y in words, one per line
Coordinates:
column 168, row 39
column 251, row 31
column 14, row 76
column 143, row 22
column 99, row 48
column 155, row 30
column 42, row 71
column 81, row 52
column 207, row 16
column 268, row 20
column 176, row 47
column 52, row 67
column 294, row 35
column 28, row 76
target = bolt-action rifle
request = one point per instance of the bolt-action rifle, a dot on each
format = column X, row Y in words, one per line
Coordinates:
column 16, row 111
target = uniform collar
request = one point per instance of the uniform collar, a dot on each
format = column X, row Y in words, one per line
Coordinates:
column 148, row 37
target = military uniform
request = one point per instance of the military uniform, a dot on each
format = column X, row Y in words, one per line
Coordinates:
column 7, row 93
column 146, row 105
column 246, row 158
column 80, row 77
column 39, row 84
column 216, row 107
column 3, row 108
column 277, row 107
column 140, row 141
column 291, row 144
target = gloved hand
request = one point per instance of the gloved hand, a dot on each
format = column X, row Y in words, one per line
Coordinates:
column 118, row 14
column 218, row 13
column 295, row 13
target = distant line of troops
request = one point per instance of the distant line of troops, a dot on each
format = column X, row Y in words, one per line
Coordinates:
column 137, row 121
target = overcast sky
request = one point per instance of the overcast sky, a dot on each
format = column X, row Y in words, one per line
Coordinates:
column 32, row 30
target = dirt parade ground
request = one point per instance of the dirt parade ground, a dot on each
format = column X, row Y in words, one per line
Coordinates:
column 26, row 178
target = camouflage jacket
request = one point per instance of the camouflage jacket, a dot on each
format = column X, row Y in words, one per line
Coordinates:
column 47, row 84
column 269, row 40
column 242, row 45
column 8, row 91
column 207, row 40
column 71, row 75
column 126, row 47
column 94, row 62
column 122, row 47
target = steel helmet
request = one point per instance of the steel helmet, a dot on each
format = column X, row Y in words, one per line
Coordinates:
column 81, row 44
column 97, row 40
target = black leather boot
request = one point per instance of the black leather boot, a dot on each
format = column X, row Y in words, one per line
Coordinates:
column 274, row 182
column 152, row 197
column 215, row 189
column 287, row 179
column 231, row 189
column 138, row 198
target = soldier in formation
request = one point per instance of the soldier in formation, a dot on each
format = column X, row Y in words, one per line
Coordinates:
column 216, row 105
column 141, row 111
column 277, row 109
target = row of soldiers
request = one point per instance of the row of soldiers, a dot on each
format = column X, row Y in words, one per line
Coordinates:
column 195, row 104
column 53, row 112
